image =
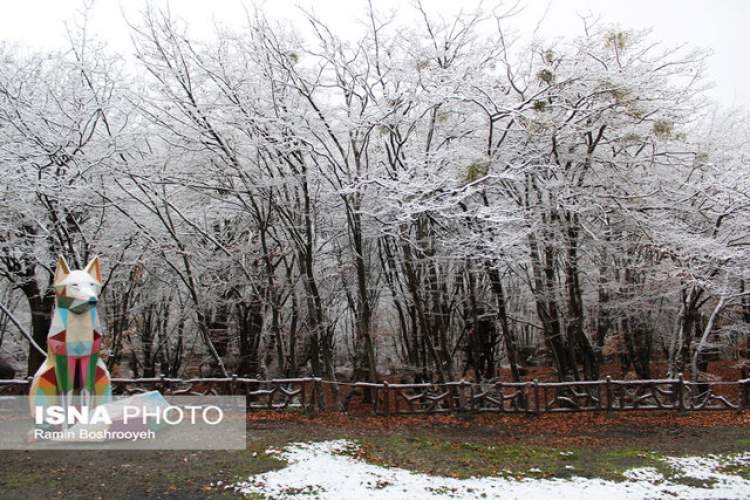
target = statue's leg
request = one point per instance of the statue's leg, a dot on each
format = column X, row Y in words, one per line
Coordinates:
column 102, row 383
column 44, row 388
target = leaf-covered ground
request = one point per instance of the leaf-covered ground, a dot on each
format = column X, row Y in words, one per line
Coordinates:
column 547, row 447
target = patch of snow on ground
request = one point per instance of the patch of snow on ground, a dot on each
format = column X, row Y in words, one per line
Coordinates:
column 319, row 470
column 648, row 474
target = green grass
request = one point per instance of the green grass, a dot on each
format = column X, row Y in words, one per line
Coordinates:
column 741, row 470
column 240, row 464
column 179, row 474
column 469, row 459
column 738, row 469
column 463, row 459
column 441, row 450
column 23, row 480
column 255, row 496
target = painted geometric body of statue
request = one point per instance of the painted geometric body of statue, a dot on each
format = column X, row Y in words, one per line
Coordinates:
column 73, row 366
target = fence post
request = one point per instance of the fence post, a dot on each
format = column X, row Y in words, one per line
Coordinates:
column 609, row 395
column 744, row 388
column 315, row 406
column 537, row 398
column 527, row 397
column 460, row 395
column 387, row 395
column 679, row 391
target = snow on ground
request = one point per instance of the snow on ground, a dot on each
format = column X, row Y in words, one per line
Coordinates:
column 320, row 470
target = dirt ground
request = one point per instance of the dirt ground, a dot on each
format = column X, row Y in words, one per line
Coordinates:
column 460, row 446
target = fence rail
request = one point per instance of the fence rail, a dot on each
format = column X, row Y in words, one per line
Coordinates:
column 314, row 394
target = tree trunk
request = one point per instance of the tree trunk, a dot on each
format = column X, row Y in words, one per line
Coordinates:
column 576, row 335
column 40, row 305
column 502, row 315
column 704, row 338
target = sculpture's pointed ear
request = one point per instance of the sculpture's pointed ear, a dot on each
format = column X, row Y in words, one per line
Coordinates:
column 94, row 269
column 61, row 271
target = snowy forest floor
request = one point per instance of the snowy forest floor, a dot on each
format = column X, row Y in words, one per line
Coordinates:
column 438, row 449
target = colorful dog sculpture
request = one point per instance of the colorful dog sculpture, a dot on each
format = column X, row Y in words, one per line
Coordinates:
column 73, row 366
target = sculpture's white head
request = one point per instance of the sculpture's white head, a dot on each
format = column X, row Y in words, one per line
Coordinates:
column 77, row 291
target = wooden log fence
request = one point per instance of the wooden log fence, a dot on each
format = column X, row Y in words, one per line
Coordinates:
column 531, row 398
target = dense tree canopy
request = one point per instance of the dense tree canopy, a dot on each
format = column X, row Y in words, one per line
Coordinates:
column 428, row 197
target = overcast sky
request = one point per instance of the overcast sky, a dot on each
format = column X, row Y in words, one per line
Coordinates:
column 722, row 26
